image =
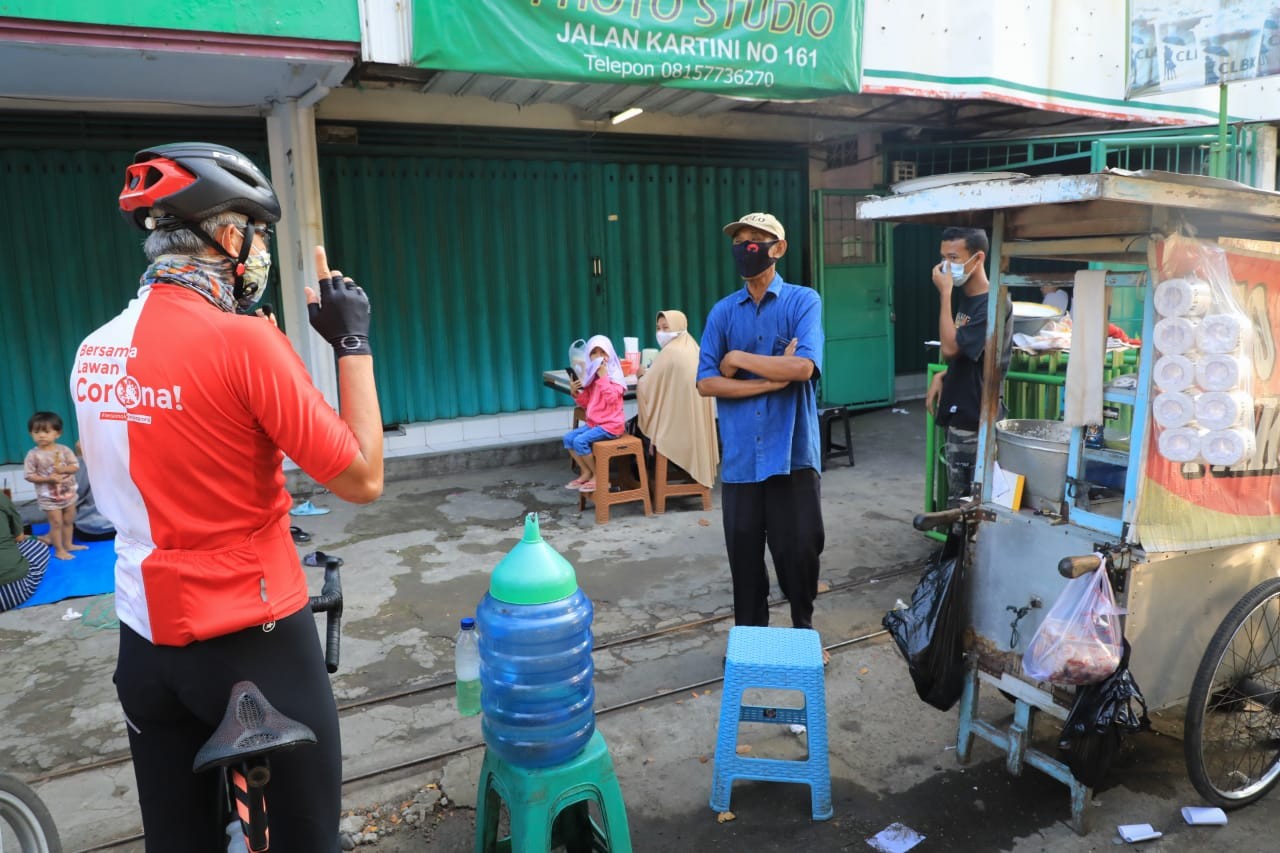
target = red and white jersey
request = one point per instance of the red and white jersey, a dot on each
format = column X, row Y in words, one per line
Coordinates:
column 184, row 412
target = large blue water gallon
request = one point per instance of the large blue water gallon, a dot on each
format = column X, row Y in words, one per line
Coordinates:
column 535, row 657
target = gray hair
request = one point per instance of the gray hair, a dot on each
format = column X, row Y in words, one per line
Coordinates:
column 181, row 241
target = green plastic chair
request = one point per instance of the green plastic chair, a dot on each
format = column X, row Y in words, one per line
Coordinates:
column 550, row 806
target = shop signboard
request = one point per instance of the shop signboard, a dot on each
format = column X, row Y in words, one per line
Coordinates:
column 1176, row 45
column 762, row 49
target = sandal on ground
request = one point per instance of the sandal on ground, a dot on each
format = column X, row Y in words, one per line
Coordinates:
column 319, row 558
column 308, row 508
column 575, row 485
column 299, row 535
column 588, row 486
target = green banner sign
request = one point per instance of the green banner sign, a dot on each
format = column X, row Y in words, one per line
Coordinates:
column 768, row 49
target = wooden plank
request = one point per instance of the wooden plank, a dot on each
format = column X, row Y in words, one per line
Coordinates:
column 1128, row 244
column 1080, row 219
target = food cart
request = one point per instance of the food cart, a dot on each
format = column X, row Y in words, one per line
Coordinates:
column 1192, row 549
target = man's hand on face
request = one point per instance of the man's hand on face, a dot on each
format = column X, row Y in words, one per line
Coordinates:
column 942, row 279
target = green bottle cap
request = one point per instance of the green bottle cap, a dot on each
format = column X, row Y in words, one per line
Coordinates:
column 534, row 572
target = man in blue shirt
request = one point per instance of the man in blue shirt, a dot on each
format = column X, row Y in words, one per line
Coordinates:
column 761, row 358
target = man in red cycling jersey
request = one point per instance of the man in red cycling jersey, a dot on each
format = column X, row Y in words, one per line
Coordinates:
column 186, row 409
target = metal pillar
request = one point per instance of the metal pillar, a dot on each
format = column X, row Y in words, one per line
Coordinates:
column 291, row 139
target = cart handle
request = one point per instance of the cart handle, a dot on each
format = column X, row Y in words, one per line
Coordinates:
column 1074, row 567
column 926, row 521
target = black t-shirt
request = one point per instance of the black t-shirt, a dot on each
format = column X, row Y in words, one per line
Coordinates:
column 960, row 405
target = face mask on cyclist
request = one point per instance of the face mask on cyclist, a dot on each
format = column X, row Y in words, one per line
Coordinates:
column 254, row 281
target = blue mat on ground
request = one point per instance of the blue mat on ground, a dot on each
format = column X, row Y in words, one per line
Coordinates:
column 92, row 572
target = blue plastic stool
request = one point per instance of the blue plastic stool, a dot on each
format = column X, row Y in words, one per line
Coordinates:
column 778, row 659
column 550, row 800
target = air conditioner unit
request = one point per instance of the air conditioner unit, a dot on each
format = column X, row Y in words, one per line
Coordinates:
column 901, row 170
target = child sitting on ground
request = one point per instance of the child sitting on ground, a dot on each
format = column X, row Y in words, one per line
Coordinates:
column 599, row 393
column 52, row 468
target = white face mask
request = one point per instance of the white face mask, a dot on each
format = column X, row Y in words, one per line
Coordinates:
column 958, row 274
column 665, row 338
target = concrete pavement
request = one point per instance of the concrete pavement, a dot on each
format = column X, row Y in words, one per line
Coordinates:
column 419, row 559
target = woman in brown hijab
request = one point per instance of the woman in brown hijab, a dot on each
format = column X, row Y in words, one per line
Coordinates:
column 680, row 422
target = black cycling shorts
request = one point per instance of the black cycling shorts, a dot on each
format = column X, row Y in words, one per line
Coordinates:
column 175, row 696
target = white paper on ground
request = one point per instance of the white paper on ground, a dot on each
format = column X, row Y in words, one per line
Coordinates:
column 895, row 838
column 1132, row 832
column 1204, row 816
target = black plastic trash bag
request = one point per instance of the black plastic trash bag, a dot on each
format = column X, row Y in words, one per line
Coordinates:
column 928, row 631
column 1101, row 715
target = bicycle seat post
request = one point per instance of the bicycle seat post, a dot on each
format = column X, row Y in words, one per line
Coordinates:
column 247, row 781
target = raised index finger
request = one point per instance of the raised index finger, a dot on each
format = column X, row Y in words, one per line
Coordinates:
column 322, row 264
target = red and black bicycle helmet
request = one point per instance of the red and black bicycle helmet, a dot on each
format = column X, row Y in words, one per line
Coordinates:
column 191, row 181
column 182, row 184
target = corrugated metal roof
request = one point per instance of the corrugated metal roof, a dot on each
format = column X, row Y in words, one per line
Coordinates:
column 881, row 112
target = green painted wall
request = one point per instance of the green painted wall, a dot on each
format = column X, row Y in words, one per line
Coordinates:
column 330, row 20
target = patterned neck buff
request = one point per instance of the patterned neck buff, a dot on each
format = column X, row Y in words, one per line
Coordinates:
column 208, row 277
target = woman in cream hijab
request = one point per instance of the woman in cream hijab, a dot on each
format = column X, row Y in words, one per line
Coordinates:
column 680, row 422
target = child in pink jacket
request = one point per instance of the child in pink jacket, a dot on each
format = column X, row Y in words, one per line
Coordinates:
column 599, row 393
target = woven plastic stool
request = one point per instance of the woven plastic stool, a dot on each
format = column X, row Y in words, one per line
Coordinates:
column 549, row 806
column 604, row 452
column 778, row 659
column 664, row 487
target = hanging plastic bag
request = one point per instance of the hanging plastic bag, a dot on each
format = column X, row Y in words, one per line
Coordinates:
column 1101, row 715
column 1080, row 639
column 928, row 630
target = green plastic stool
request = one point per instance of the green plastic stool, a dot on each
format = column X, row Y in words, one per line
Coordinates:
column 549, row 806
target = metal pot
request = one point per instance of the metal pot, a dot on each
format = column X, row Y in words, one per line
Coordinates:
column 1038, row 451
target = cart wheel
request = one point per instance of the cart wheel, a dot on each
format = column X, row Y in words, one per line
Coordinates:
column 1232, row 740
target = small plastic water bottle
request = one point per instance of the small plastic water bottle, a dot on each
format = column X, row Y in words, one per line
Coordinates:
column 466, row 667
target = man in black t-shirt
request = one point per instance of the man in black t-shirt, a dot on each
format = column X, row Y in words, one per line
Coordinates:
column 955, row 394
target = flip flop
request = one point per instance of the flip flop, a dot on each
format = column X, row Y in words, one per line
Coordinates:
column 588, row 487
column 308, row 508
column 319, row 558
column 300, row 535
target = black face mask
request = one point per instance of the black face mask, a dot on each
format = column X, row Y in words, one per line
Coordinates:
column 752, row 257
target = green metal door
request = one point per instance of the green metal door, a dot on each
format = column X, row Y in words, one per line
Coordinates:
column 71, row 261
column 854, row 278
column 663, row 242
column 490, row 265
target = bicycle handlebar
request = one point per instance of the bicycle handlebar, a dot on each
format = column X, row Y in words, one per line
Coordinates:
column 329, row 601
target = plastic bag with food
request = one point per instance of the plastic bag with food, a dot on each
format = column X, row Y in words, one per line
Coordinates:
column 1080, row 640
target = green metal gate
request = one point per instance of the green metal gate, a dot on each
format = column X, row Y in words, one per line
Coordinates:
column 853, row 273
column 71, row 261
column 490, row 265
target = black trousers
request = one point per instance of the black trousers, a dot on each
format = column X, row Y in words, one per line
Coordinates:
column 174, row 697
column 784, row 512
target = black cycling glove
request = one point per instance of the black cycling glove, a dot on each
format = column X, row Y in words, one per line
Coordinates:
column 342, row 316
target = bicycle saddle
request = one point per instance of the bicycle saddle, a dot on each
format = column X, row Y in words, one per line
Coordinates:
column 250, row 727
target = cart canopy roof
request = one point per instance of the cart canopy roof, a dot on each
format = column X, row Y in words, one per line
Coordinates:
column 1115, row 203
